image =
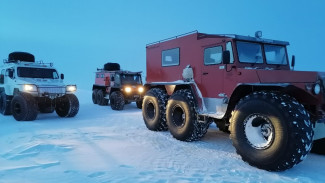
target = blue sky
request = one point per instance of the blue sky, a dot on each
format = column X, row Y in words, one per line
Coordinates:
column 80, row 36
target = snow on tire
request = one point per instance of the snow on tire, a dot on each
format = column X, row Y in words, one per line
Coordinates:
column 154, row 109
column 67, row 105
column 271, row 130
column 117, row 101
column 182, row 118
column 24, row 107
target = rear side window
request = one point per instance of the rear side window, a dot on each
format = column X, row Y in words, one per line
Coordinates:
column 213, row 55
column 170, row 57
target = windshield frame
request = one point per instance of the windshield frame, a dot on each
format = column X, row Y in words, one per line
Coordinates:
column 37, row 76
column 138, row 82
column 264, row 57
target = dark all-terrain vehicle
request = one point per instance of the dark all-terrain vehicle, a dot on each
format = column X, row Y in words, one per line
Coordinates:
column 28, row 87
column 245, row 85
column 117, row 87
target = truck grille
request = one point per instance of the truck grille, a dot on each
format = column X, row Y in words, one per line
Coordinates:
column 51, row 90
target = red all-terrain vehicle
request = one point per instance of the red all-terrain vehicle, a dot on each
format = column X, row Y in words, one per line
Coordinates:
column 245, row 85
column 117, row 87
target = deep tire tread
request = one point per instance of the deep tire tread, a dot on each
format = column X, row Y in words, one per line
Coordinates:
column 117, row 101
column 67, row 106
column 29, row 107
column 156, row 95
column 299, row 130
column 199, row 129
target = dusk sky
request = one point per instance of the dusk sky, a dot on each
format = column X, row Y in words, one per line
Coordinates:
column 80, row 36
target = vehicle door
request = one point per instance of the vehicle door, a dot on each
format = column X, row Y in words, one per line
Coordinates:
column 213, row 71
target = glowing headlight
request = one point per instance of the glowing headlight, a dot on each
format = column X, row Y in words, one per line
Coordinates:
column 71, row 88
column 316, row 89
column 128, row 89
column 30, row 88
column 140, row 89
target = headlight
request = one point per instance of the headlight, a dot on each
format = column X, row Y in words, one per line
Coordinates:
column 140, row 89
column 71, row 88
column 128, row 89
column 30, row 88
column 316, row 89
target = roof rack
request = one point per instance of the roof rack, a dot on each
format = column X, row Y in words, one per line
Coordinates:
column 175, row 37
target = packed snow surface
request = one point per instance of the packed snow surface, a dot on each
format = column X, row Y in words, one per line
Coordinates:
column 101, row 145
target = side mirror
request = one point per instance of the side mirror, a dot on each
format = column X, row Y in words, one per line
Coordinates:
column 226, row 57
column 2, row 77
column 293, row 61
column 62, row 76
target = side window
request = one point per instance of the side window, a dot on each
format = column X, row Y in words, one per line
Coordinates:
column 229, row 48
column 102, row 76
column 213, row 55
column 97, row 75
column 170, row 57
column 10, row 73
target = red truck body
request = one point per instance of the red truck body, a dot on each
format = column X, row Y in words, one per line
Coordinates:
column 246, row 86
column 213, row 80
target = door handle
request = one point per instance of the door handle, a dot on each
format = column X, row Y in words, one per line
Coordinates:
column 205, row 73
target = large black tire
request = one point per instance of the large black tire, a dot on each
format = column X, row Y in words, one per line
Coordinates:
column 271, row 131
column 139, row 104
column 182, row 118
column 67, row 105
column 100, row 98
column 4, row 104
column 319, row 146
column 117, row 100
column 24, row 107
column 94, row 96
column 112, row 66
column 154, row 109
column 45, row 105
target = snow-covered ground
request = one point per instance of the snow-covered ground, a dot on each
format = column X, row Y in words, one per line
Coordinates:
column 101, row 145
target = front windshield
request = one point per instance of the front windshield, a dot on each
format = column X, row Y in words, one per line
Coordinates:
column 275, row 54
column 252, row 53
column 131, row 79
column 249, row 52
column 27, row 72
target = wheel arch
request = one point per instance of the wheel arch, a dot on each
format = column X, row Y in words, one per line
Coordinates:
column 245, row 89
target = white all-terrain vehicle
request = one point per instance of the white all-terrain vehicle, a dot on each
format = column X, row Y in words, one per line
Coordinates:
column 28, row 87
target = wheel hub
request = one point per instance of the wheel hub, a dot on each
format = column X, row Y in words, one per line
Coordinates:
column 178, row 116
column 150, row 110
column 259, row 131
